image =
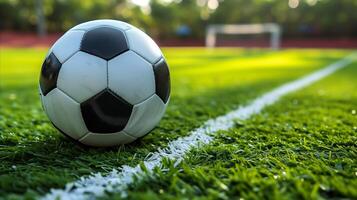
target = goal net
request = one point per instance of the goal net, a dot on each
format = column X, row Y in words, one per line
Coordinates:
column 272, row 29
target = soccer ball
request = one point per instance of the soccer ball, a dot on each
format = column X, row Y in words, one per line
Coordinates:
column 104, row 83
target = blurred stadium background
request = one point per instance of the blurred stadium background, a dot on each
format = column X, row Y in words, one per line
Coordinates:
column 304, row 23
column 302, row 147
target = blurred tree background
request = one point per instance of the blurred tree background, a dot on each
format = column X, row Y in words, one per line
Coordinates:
column 187, row 18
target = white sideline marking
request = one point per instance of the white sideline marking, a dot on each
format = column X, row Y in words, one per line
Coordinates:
column 117, row 181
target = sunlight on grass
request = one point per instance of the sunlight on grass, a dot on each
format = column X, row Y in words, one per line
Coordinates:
column 304, row 141
column 193, row 70
column 205, row 84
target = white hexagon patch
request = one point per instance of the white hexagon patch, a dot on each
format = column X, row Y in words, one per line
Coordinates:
column 143, row 45
column 67, row 45
column 83, row 76
column 64, row 113
column 131, row 77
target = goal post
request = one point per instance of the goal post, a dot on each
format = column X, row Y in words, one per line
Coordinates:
column 238, row 29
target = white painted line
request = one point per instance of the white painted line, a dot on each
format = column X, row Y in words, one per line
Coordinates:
column 117, row 181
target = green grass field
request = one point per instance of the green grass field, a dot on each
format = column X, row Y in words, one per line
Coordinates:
column 303, row 147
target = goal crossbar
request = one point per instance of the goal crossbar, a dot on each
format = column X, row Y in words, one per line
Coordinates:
column 272, row 28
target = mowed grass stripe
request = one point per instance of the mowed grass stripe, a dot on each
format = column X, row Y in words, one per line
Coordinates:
column 117, row 182
column 38, row 157
column 302, row 147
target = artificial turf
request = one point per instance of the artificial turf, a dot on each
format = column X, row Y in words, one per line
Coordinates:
column 34, row 157
column 303, row 147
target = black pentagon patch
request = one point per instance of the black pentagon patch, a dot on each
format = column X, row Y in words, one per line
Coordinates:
column 104, row 42
column 162, row 80
column 106, row 112
column 49, row 73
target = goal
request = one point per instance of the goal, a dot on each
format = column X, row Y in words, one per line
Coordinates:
column 243, row 29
